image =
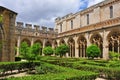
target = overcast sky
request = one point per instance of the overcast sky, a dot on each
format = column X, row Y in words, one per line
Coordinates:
column 44, row 12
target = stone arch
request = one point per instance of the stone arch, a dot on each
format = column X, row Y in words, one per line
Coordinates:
column 26, row 40
column 82, row 45
column 2, row 37
column 71, row 43
column 39, row 41
column 41, row 44
column 55, row 44
column 0, row 43
column 114, row 41
column 48, row 43
column 62, row 41
column 98, row 40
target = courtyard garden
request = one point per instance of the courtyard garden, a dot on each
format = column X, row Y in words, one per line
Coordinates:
column 58, row 67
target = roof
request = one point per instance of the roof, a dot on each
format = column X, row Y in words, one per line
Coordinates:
column 1, row 7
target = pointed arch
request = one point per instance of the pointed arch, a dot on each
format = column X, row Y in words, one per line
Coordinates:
column 98, row 40
column 114, row 41
column 41, row 44
column 48, row 43
column 55, row 44
column 82, row 45
column 27, row 41
column 62, row 41
column 71, row 43
column 39, row 41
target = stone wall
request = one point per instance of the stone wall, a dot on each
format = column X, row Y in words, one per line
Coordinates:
column 8, row 34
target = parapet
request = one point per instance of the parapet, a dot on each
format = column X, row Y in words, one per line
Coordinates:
column 44, row 28
column 19, row 24
column 36, row 27
column 51, row 29
column 28, row 26
column 64, row 17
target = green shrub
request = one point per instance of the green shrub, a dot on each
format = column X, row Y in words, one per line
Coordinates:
column 113, row 55
column 48, row 50
column 93, row 51
column 62, row 50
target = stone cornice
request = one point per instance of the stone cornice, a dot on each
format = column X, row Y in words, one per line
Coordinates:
column 100, row 25
column 88, row 10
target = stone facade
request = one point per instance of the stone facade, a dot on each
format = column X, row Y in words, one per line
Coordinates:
column 32, row 34
column 7, row 34
column 98, row 24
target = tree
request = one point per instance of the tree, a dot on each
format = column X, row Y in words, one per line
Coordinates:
column 48, row 50
column 24, row 49
column 36, row 48
column 93, row 51
column 62, row 50
column 30, row 53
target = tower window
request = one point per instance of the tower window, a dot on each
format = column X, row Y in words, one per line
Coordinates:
column 87, row 18
column 71, row 24
column 111, row 11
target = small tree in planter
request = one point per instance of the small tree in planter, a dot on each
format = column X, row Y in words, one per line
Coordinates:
column 62, row 50
column 93, row 51
column 48, row 50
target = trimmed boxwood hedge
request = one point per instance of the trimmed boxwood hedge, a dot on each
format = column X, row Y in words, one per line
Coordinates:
column 106, row 69
column 62, row 73
column 11, row 66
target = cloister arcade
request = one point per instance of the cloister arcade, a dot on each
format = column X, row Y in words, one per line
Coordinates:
column 78, row 47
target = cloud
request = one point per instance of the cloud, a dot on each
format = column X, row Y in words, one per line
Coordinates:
column 93, row 2
column 44, row 12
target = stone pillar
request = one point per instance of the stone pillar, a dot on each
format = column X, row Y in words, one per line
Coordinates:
column 105, row 46
column 18, row 46
column 76, row 47
column 32, row 41
column 87, row 36
column 43, row 45
column 66, row 39
column 53, row 46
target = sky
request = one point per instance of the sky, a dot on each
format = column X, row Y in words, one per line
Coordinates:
column 44, row 12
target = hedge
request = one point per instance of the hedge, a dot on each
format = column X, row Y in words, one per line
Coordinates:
column 105, row 70
column 11, row 66
column 62, row 73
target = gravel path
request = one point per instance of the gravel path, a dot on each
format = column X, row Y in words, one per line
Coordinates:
column 16, row 75
column 100, row 79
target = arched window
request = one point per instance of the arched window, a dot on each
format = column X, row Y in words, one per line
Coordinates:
column 71, row 24
column 111, row 11
column 61, row 27
column 87, row 19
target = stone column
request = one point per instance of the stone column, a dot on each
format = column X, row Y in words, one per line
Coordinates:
column 66, row 39
column 105, row 46
column 53, row 46
column 76, row 47
column 43, row 45
column 32, row 41
column 87, row 36
column 18, row 46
